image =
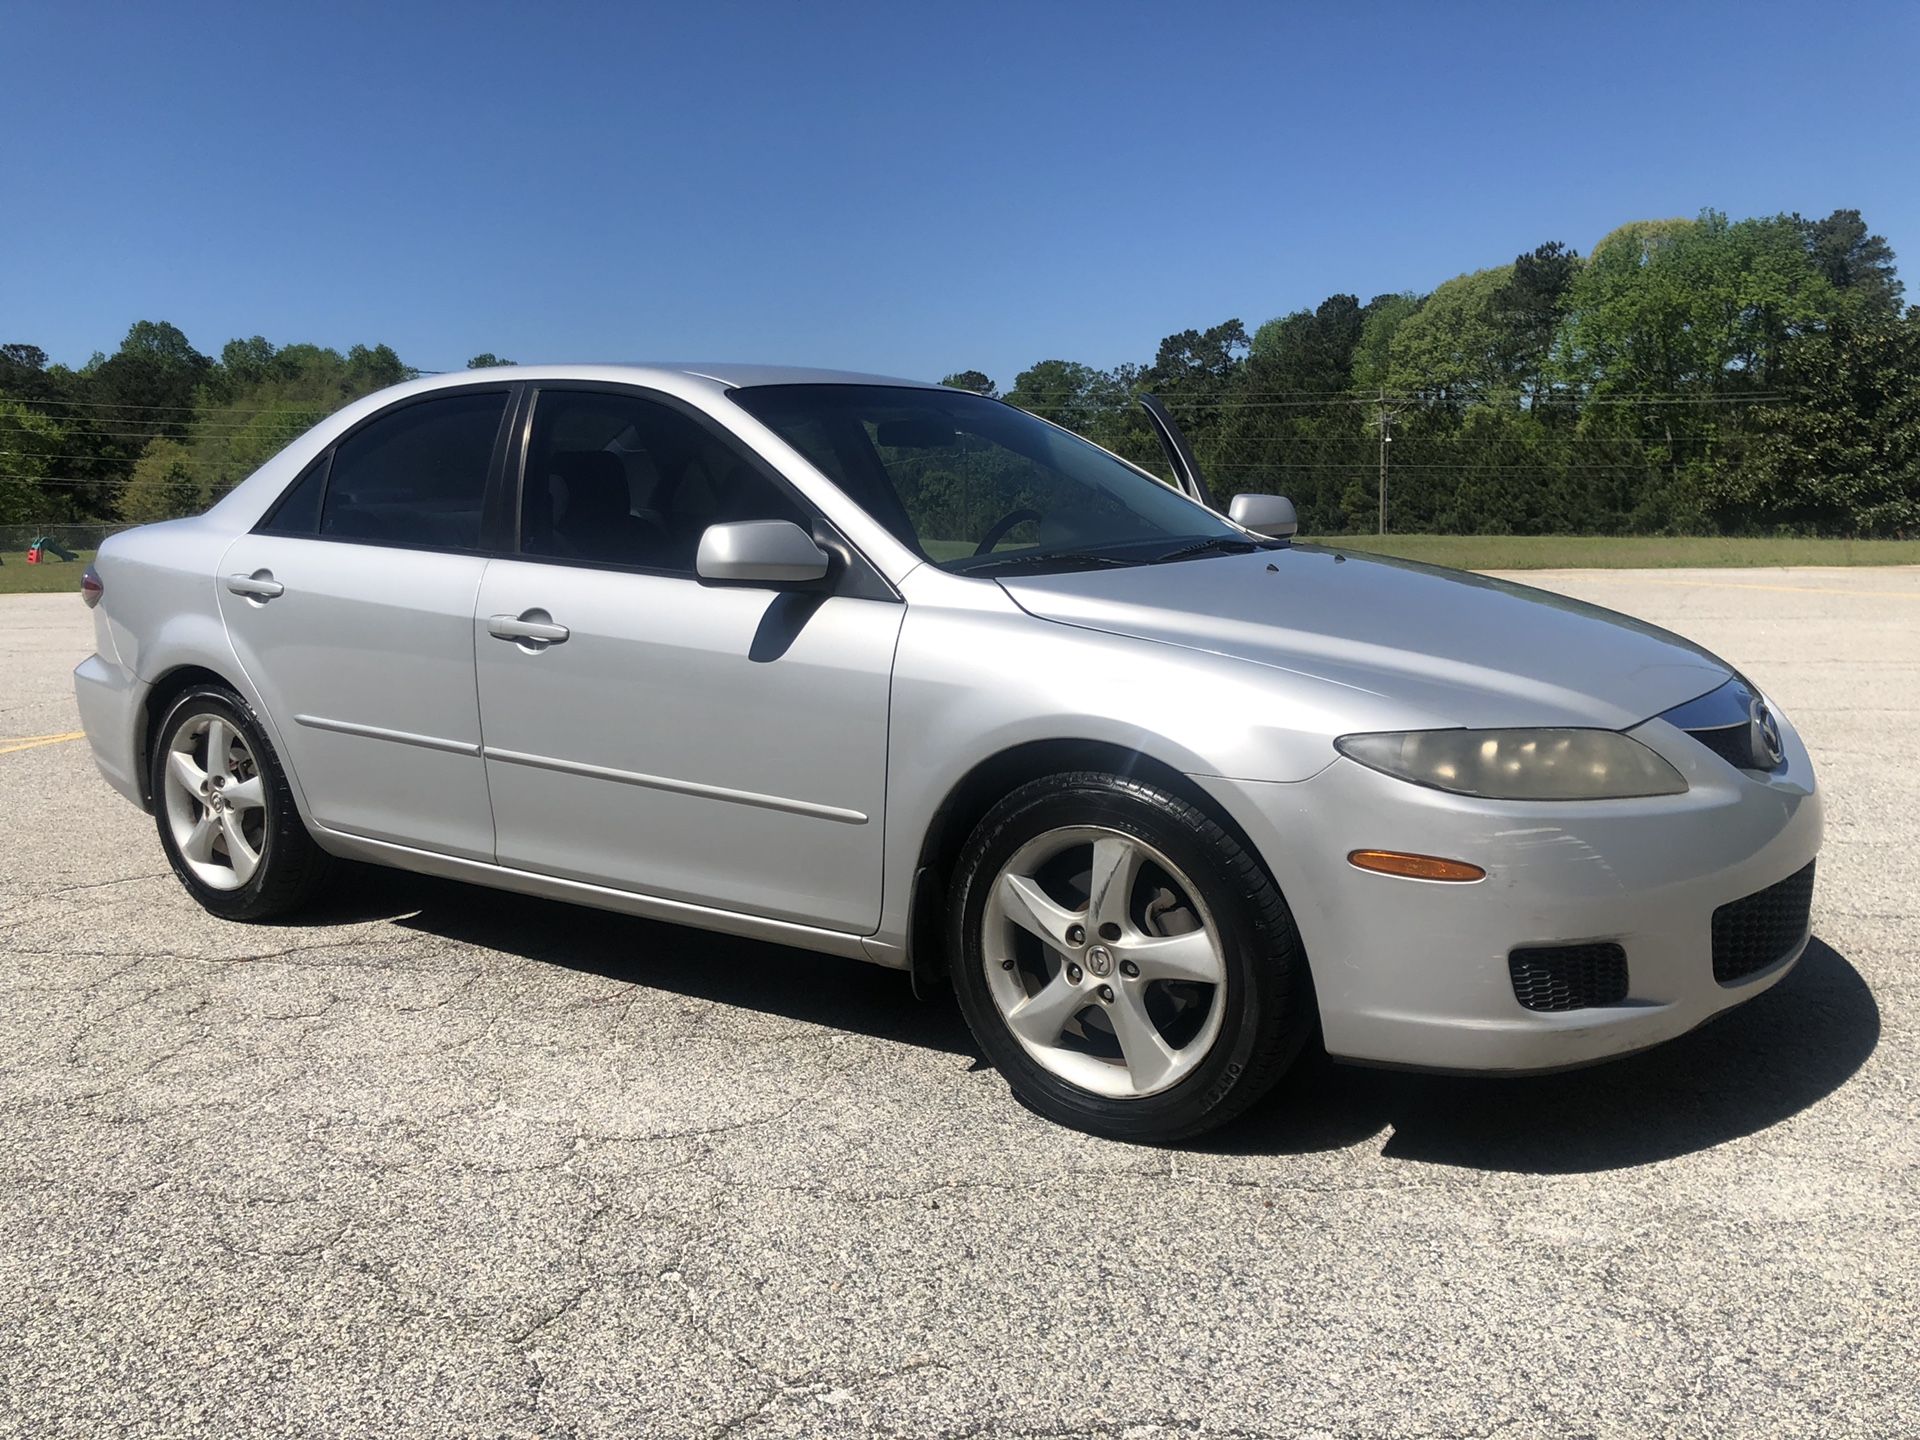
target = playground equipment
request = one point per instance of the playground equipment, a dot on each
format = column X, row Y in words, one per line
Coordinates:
column 39, row 549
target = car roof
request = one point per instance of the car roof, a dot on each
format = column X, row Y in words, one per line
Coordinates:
column 728, row 375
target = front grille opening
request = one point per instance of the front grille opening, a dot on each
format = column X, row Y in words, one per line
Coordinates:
column 1568, row 977
column 1761, row 930
column 1732, row 743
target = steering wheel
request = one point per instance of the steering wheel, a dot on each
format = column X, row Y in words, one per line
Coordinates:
column 997, row 531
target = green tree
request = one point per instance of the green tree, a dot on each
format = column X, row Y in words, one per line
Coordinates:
column 1854, row 261
column 1063, row 391
column 30, row 448
column 273, row 395
column 1530, row 308
column 1457, row 347
column 974, row 380
column 1843, row 455
column 1289, row 424
column 1193, row 371
column 162, row 485
column 485, row 360
column 246, row 362
column 1668, row 307
column 1307, row 352
column 1379, row 323
column 376, row 367
column 149, row 385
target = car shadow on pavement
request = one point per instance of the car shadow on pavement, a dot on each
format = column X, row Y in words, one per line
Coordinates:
column 801, row 985
column 1752, row 1067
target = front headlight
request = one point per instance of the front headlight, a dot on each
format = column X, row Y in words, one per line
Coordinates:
column 1519, row 764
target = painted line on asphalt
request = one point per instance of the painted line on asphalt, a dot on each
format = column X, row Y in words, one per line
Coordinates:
column 34, row 742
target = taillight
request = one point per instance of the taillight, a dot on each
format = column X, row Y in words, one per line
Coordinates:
column 90, row 587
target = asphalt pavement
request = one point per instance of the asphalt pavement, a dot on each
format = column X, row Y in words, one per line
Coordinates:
column 449, row 1162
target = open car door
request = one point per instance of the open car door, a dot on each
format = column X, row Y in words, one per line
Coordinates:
column 1269, row 515
column 1186, row 470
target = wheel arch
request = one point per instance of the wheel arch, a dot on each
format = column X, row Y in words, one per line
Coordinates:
column 153, row 706
column 982, row 787
column 166, row 690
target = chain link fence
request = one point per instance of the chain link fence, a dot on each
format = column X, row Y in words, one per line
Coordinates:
column 15, row 540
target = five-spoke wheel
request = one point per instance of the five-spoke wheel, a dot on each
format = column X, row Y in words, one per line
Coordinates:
column 226, row 816
column 1123, row 960
column 1103, row 961
column 216, row 802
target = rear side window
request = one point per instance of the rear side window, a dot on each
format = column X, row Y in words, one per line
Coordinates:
column 417, row 475
column 298, row 511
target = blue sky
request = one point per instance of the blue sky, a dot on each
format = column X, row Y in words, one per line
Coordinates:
column 898, row 187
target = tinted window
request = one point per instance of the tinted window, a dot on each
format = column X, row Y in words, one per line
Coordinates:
column 298, row 510
column 972, row 483
column 416, row 476
column 619, row 480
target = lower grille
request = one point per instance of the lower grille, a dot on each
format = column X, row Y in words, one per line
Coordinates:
column 1568, row 977
column 1751, row 934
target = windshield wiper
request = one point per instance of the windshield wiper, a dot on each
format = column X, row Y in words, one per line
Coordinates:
column 1220, row 544
column 1066, row 559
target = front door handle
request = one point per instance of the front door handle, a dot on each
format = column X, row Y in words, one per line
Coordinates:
column 532, row 628
column 260, row 585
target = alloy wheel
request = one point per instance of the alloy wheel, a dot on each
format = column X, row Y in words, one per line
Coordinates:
column 1103, row 961
column 216, row 801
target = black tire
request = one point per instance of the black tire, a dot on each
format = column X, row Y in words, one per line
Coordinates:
column 1268, row 997
column 292, row 869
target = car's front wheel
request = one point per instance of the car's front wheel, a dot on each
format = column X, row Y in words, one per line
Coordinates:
column 227, row 819
column 1123, row 960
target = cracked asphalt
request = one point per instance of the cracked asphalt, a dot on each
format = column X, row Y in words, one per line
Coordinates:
column 447, row 1162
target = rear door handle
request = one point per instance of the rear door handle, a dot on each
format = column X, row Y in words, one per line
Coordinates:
column 529, row 627
column 258, row 586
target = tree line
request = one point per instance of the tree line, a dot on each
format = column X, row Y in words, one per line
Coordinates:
column 1685, row 376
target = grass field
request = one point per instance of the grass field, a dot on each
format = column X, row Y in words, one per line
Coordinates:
column 1630, row 552
column 17, row 577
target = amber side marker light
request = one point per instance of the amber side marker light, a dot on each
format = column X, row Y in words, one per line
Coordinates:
column 1414, row 867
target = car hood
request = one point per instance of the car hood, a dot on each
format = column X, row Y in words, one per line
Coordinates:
column 1462, row 648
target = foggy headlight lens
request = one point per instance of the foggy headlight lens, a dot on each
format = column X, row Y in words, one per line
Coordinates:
column 1519, row 764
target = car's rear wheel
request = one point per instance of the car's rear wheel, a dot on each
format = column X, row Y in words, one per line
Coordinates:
column 227, row 819
column 1123, row 960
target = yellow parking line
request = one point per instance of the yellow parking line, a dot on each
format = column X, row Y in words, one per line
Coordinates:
column 34, row 742
column 1755, row 585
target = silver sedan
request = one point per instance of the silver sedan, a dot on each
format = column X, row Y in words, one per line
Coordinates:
column 902, row 673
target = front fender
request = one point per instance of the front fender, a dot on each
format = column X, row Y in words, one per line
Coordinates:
column 975, row 680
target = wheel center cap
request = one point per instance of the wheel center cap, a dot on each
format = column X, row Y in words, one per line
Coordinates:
column 1100, row 960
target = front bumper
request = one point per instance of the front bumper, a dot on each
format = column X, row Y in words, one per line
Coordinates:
column 1414, row 972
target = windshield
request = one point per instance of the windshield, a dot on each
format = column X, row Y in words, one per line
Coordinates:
column 978, row 486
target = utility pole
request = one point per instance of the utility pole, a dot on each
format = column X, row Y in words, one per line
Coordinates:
column 1387, row 412
column 1386, row 417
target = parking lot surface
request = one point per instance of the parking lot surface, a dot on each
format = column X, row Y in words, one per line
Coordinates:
column 449, row 1162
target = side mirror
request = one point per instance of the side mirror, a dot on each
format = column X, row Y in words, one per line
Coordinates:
column 760, row 552
column 1265, row 515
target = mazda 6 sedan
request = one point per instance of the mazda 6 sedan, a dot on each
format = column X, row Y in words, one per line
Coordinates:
column 902, row 673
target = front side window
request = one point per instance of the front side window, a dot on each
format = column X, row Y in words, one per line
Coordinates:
column 975, row 485
column 416, row 475
column 617, row 479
